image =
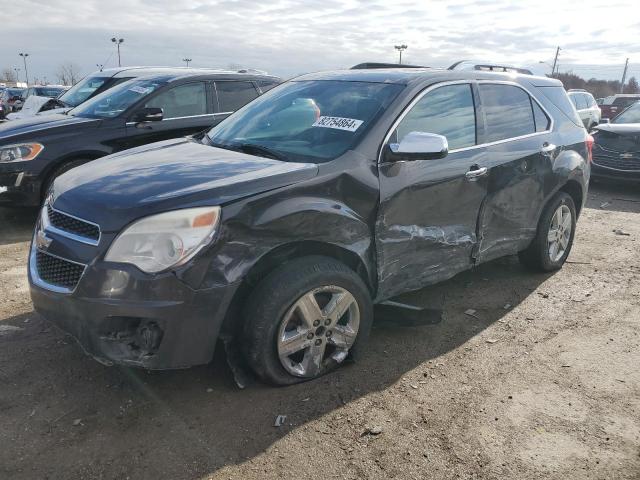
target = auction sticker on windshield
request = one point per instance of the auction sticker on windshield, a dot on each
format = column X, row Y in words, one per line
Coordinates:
column 348, row 124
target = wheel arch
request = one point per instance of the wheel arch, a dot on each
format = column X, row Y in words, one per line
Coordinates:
column 574, row 190
column 285, row 253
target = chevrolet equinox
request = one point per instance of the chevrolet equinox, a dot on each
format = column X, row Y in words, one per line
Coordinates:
column 283, row 225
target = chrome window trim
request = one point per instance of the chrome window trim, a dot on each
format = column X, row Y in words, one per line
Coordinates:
column 35, row 276
column 435, row 86
column 46, row 224
column 181, row 118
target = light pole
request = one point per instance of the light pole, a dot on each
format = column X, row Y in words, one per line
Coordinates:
column 17, row 70
column 118, row 41
column 186, row 60
column 100, row 66
column 26, row 72
column 400, row 48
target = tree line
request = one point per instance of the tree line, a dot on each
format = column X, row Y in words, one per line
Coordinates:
column 598, row 88
column 67, row 73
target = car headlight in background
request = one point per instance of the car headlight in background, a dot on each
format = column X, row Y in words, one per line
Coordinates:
column 165, row 240
column 20, row 152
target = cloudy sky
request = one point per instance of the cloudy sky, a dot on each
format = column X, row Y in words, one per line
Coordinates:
column 287, row 37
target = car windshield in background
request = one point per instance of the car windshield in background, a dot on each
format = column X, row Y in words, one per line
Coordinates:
column 82, row 90
column 307, row 120
column 116, row 100
column 630, row 115
column 47, row 91
column 15, row 92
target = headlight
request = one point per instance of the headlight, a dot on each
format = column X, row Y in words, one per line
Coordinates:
column 165, row 240
column 21, row 152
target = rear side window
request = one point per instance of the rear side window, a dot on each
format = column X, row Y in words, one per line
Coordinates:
column 447, row 111
column 558, row 96
column 508, row 112
column 542, row 121
column 234, row 95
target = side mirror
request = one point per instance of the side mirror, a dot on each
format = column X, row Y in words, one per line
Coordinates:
column 148, row 114
column 418, row 146
column 605, row 120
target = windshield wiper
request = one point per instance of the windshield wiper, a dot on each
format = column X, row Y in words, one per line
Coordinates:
column 260, row 149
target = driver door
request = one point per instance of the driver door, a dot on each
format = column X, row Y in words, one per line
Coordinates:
column 426, row 229
column 186, row 110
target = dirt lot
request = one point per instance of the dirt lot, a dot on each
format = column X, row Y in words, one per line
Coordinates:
column 543, row 384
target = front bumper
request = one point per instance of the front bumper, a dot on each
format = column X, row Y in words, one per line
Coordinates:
column 605, row 173
column 19, row 189
column 122, row 316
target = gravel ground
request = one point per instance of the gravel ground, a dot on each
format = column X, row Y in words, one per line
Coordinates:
column 542, row 384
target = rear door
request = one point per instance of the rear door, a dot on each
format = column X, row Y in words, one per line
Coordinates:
column 426, row 225
column 517, row 134
column 186, row 110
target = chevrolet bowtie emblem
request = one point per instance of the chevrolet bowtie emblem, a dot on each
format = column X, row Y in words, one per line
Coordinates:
column 42, row 241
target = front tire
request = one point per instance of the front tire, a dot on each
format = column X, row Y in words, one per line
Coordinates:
column 304, row 319
column 554, row 237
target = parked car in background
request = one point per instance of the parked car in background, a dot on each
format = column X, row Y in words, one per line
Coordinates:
column 35, row 150
column 281, row 226
column 12, row 98
column 614, row 104
column 586, row 106
column 94, row 84
column 616, row 151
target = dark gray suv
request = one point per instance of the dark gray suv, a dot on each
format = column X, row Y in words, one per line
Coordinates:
column 284, row 224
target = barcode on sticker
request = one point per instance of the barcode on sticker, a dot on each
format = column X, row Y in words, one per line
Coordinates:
column 348, row 124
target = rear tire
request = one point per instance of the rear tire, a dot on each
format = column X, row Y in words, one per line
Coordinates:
column 304, row 319
column 554, row 237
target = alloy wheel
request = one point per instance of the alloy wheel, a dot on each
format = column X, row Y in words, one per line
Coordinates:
column 318, row 331
column 559, row 233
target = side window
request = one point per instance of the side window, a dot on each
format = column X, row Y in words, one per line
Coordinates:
column 181, row 101
column 590, row 100
column 507, row 110
column 233, row 95
column 582, row 101
column 541, row 119
column 447, row 111
column 574, row 100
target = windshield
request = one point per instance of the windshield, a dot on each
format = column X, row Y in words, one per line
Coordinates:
column 116, row 100
column 316, row 120
column 82, row 90
column 15, row 92
column 630, row 115
column 48, row 91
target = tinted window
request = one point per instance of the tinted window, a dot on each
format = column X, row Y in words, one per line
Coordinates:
column 541, row 119
column 47, row 91
column 181, row 101
column 233, row 95
column 625, row 101
column 508, row 112
column 266, row 85
column 312, row 121
column 447, row 111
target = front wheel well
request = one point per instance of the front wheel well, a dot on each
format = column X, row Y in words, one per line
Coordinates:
column 279, row 256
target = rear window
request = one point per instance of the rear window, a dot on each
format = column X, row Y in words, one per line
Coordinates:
column 625, row 101
column 558, row 96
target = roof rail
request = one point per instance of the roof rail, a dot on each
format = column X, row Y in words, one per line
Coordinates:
column 488, row 67
column 374, row 65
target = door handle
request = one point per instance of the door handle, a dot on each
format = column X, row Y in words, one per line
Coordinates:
column 475, row 173
column 547, row 148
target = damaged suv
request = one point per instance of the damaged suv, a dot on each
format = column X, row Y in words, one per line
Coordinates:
column 284, row 224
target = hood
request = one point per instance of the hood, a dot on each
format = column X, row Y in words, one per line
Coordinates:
column 41, row 123
column 622, row 129
column 119, row 188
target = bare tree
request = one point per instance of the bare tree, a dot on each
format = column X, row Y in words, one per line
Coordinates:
column 8, row 75
column 68, row 73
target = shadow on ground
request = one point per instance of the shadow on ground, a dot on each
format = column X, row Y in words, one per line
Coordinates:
column 190, row 423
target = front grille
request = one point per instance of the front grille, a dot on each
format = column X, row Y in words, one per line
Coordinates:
column 615, row 161
column 58, row 272
column 73, row 225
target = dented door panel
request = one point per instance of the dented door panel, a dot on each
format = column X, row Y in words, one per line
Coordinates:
column 426, row 230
